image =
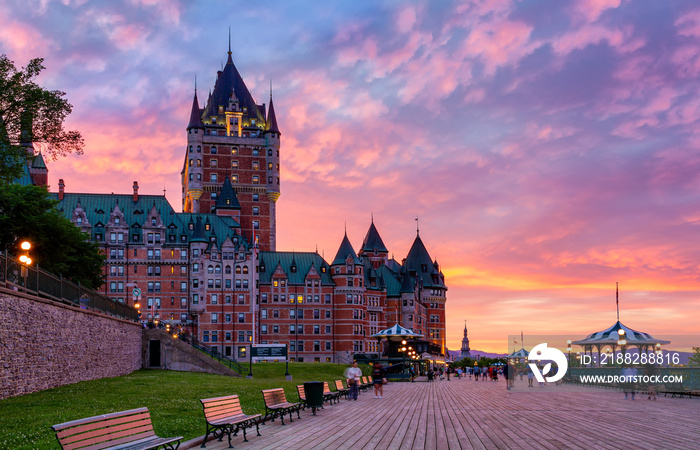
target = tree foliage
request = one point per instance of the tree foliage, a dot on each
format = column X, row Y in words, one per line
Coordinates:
column 23, row 102
column 694, row 359
column 58, row 246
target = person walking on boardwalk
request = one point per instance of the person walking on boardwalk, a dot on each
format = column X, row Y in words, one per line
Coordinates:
column 378, row 379
column 530, row 377
column 353, row 375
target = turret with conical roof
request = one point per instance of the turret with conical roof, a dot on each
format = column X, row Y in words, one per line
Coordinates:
column 345, row 252
column 271, row 119
column 195, row 114
column 373, row 247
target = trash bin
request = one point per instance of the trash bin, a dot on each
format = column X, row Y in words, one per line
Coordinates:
column 313, row 390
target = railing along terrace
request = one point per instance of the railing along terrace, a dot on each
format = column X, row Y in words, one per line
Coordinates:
column 213, row 352
column 33, row 280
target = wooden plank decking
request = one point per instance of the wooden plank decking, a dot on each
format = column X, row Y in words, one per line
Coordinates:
column 468, row 414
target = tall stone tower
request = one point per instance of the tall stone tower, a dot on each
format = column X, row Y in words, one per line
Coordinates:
column 234, row 137
column 466, row 351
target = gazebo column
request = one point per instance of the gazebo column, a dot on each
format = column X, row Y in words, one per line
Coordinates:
column 598, row 347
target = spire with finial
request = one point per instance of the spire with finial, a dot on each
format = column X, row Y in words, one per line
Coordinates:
column 271, row 116
column 417, row 229
column 195, row 113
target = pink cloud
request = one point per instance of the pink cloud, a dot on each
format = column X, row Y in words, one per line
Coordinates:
column 689, row 24
column 20, row 40
column 591, row 10
column 620, row 39
column 499, row 43
column 406, row 19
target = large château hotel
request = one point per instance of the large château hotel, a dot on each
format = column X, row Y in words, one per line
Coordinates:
column 215, row 270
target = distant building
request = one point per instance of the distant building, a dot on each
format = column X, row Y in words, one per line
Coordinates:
column 466, row 351
column 214, row 269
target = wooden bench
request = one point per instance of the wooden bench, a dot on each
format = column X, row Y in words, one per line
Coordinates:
column 343, row 391
column 676, row 389
column 366, row 384
column 276, row 405
column 225, row 416
column 130, row 429
column 329, row 395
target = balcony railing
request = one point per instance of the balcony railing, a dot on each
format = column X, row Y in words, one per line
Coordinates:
column 35, row 281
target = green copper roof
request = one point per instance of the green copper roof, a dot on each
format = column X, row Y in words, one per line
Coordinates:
column 373, row 242
column 418, row 263
column 98, row 209
column 393, row 286
column 344, row 251
column 303, row 261
column 227, row 198
column 38, row 162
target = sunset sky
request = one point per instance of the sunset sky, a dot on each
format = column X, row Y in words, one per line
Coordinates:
column 549, row 148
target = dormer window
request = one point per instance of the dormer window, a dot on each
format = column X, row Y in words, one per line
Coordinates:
column 79, row 221
column 116, row 220
column 207, row 226
column 153, row 221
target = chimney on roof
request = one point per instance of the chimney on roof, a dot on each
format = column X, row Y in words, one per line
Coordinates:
column 61, row 189
column 136, row 191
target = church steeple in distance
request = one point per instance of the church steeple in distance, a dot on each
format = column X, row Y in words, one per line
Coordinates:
column 466, row 351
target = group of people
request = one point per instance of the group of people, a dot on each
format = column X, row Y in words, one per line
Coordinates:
column 354, row 374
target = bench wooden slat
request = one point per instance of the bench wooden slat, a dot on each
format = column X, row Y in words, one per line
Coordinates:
column 88, row 445
column 100, row 423
column 129, row 435
column 106, row 432
column 74, row 423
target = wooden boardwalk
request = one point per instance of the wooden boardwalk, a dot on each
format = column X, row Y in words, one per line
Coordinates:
column 484, row 415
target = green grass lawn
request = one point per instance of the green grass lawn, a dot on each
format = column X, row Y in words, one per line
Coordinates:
column 171, row 397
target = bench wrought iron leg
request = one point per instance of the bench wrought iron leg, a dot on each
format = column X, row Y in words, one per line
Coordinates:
column 204, row 443
column 291, row 419
column 229, row 438
column 298, row 416
column 245, row 438
column 257, row 428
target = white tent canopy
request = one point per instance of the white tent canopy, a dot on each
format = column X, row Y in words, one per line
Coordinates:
column 522, row 353
column 397, row 331
column 611, row 336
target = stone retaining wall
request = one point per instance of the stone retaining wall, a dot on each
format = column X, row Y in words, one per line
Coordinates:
column 44, row 344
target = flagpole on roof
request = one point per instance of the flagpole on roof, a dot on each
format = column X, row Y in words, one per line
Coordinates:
column 617, row 301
